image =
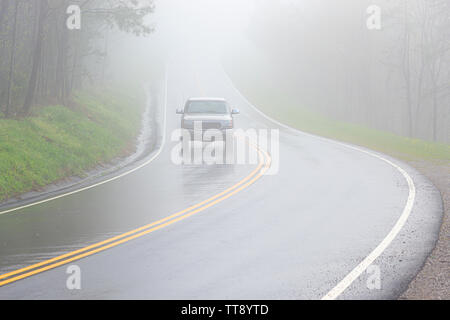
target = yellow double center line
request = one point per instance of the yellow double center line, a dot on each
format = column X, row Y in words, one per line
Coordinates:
column 263, row 166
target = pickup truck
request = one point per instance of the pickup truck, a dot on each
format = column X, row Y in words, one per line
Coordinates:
column 212, row 113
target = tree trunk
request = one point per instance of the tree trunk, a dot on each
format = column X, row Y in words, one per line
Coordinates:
column 12, row 62
column 4, row 6
column 74, row 71
column 37, row 56
column 407, row 72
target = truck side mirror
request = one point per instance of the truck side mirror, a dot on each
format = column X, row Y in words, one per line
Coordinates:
column 180, row 111
column 235, row 111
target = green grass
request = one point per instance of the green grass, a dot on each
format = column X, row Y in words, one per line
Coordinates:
column 398, row 146
column 57, row 142
column 284, row 107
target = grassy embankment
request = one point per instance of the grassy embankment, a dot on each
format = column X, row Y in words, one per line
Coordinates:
column 58, row 142
column 261, row 92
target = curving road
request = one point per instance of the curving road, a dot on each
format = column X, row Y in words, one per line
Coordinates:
column 332, row 218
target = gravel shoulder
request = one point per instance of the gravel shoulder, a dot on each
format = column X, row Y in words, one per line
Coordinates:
column 433, row 281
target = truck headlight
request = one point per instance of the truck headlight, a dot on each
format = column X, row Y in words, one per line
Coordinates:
column 228, row 123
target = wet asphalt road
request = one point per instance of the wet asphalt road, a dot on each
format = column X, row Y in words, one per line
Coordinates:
column 292, row 235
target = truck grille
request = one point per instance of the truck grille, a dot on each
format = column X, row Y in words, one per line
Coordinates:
column 211, row 125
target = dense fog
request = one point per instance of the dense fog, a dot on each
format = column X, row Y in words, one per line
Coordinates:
column 383, row 64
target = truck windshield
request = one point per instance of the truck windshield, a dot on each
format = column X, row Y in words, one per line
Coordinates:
column 216, row 107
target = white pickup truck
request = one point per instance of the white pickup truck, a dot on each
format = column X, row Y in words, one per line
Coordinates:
column 207, row 113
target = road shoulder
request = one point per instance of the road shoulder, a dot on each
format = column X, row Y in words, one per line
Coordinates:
column 432, row 282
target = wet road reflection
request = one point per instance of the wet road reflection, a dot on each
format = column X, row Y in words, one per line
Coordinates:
column 151, row 193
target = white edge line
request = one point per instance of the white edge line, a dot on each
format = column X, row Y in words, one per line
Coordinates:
column 163, row 141
column 361, row 267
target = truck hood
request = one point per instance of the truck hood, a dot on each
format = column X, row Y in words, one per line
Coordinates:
column 207, row 117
